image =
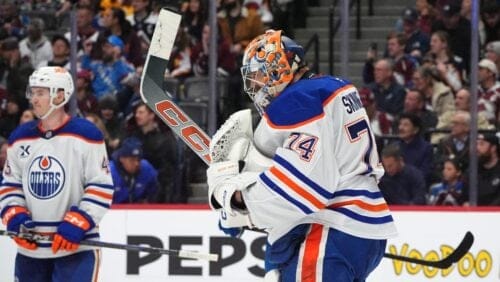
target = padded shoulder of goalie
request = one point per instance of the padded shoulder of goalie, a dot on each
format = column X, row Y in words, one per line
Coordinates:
column 232, row 140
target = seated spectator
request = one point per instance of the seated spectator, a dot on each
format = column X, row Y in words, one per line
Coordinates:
column 404, row 64
column 9, row 119
column 60, row 53
column 193, row 19
column 462, row 103
column 493, row 53
column 489, row 91
column 114, row 22
column 417, row 41
column 160, row 149
column 456, row 145
column 449, row 66
column 226, row 63
column 86, row 101
column 488, row 175
column 36, row 46
column 402, row 184
column 389, row 94
column 438, row 97
column 426, row 15
column 415, row 104
column 380, row 122
column 86, row 31
column 457, row 27
column 144, row 19
column 490, row 15
column 415, row 150
column 134, row 178
column 14, row 71
column 109, row 113
column 11, row 20
column 27, row 116
column 112, row 73
column 449, row 191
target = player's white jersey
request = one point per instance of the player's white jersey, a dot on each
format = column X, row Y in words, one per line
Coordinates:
column 325, row 163
column 50, row 171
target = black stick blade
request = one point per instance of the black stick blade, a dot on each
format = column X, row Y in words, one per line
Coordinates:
column 459, row 252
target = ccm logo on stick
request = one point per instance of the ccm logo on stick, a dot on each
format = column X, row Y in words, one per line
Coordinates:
column 235, row 247
column 191, row 134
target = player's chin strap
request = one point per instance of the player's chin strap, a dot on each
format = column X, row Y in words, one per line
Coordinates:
column 134, row 248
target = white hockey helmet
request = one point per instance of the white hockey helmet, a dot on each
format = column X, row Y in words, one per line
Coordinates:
column 269, row 64
column 55, row 79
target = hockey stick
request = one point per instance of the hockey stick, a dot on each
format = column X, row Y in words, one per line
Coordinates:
column 160, row 101
column 133, row 248
column 462, row 249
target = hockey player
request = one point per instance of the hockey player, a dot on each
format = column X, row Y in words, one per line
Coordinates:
column 56, row 182
column 310, row 169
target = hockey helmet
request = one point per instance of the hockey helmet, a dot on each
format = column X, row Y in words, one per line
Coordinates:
column 269, row 64
column 54, row 79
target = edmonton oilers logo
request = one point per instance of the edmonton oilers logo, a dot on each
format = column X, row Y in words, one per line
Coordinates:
column 45, row 177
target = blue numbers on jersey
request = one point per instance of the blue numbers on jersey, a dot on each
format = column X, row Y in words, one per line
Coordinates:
column 355, row 131
column 303, row 144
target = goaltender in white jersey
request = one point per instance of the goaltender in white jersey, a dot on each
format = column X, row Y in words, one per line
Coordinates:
column 56, row 182
column 317, row 197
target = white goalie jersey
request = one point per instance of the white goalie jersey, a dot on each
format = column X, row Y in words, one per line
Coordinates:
column 325, row 163
column 49, row 171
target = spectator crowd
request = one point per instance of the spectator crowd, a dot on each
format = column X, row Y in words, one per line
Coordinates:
column 416, row 92
column 147, row 161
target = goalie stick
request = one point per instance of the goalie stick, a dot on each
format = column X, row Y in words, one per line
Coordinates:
column 133, row 248
column 162, row 103
column 462, row 249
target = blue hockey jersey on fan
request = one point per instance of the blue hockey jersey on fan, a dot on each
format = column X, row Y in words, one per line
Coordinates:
column 49, row 171
column 325, row 163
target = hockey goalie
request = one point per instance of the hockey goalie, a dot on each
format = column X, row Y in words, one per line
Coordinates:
column 309, row 173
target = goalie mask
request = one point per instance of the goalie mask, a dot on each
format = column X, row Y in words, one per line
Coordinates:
column 55, row 79
column 269, row 64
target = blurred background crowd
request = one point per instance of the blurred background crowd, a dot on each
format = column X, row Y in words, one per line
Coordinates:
column 415, row 87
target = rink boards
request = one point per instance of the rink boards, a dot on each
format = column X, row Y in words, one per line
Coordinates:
column 425, row 233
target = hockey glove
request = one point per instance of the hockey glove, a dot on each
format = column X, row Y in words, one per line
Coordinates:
column 223, row 181
column 17, row 219
column 72, row 230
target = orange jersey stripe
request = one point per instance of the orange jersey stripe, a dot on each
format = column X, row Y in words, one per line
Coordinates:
column 99, row 193
column 311, row 254
column 296, row 187
column 363, row 205
column 7, row 190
